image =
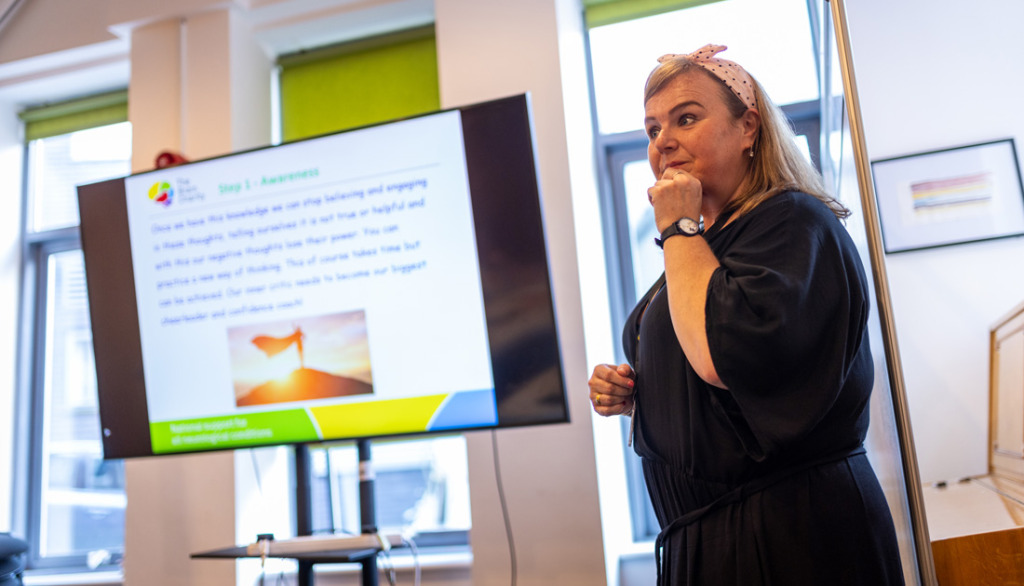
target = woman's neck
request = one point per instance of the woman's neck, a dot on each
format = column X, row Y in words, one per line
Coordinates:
column 712, row 205
column 711, row 208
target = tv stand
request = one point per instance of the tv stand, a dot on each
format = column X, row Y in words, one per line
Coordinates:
column 367, row 508
column 308, row 551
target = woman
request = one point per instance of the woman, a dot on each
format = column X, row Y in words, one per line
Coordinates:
column 749, row 368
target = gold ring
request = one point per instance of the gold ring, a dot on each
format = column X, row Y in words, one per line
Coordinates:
column 597, row 400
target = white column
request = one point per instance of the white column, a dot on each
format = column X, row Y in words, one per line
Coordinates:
column 155, row 91
column 489, row 49
column 195, row 87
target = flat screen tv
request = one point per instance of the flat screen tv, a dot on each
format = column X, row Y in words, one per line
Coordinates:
column 385, row 281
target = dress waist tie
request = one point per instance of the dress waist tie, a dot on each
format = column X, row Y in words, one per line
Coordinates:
column 736, row 495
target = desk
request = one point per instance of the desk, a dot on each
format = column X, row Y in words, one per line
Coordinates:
column 976, row 532
column 317, row 557
column 365, row 556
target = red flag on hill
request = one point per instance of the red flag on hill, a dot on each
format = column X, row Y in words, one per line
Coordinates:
column 272, row 346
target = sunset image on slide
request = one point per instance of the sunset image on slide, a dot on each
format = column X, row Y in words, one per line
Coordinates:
column 319, row 357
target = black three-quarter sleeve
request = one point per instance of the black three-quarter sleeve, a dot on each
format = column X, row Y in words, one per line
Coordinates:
column 784, row 315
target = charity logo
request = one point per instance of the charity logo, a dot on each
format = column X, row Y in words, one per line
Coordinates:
column 161, row 193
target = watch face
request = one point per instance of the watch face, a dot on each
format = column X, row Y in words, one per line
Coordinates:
column 689, row 226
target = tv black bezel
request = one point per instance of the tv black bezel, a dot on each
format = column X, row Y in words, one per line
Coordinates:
column 514, row 269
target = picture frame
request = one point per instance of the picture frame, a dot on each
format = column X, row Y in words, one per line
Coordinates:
column 949, row 196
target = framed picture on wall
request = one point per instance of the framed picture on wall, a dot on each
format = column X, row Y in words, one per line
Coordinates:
column 949, row 196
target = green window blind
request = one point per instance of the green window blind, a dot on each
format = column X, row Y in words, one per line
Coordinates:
column 602, row 12
column 73, row 115
column 359, row 83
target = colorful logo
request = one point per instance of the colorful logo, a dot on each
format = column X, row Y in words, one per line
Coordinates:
column 161, row 193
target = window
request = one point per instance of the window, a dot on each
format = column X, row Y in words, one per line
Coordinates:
column 772, row 40
column 75, row 513
column 422, row 485
column 421, row 489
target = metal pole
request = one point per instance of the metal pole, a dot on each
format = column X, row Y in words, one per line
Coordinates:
column 367, row 507
column 911, row 475
column 303, row 507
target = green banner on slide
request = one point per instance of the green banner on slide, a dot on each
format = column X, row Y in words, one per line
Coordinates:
column 232, row 431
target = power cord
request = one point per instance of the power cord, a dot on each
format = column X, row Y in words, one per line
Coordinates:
column 504, row 506
column 417, row 575
column 1001, row 493
column 256, row 471
column 259, row 487
column 388, row 567
column 842, row 144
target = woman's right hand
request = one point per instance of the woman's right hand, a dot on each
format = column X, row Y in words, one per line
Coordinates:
column 611, row 389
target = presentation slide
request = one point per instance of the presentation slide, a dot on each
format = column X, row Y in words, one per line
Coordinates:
column 326, row 285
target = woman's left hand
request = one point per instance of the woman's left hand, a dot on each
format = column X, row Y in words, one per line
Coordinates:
column 612, row 388
column 677, row 194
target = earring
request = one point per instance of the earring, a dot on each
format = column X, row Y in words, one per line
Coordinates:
column 751, row 152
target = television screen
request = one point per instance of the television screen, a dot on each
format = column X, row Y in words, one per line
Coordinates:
column 383, row 281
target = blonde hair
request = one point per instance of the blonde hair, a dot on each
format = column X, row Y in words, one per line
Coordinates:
column 777, row 164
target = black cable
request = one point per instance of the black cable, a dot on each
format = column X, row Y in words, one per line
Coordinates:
column 504, row 506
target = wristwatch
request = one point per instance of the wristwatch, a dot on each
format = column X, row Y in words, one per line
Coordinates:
column 684, row 227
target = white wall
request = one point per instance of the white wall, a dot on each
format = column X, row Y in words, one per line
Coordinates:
column 34, row 31
column 934, row 75
column 549, row 472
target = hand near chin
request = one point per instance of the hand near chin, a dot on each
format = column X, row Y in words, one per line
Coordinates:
column 611, row 389
column 677, row 194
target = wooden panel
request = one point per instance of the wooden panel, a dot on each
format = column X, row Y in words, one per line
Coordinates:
column 1006, row 396
column 1012, row 493
column 982, row 558
column 1009, row 391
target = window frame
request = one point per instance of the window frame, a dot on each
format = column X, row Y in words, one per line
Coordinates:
column 327, row 492
column 37, row 248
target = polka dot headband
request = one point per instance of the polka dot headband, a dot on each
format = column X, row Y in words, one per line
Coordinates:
column 734, row 76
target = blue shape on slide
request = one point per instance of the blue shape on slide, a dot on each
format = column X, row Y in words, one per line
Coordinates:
column 466, row 409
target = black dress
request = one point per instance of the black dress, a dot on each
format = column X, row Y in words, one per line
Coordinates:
column 766, row 482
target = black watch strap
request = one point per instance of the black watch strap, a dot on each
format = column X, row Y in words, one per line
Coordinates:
column 682, row 227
